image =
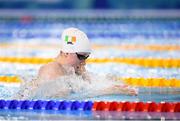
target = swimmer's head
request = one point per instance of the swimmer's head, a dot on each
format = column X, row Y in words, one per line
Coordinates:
column 74, row 40
column 75, row 47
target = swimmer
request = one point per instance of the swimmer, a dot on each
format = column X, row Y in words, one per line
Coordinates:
column 75, row 49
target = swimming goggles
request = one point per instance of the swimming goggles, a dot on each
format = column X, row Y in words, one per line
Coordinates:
column 82, row 57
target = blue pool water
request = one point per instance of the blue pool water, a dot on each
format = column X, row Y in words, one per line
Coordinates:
column 23, row 40
column 123, row 32
column 85, row 115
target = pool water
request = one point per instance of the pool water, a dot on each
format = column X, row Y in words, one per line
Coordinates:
column 41, row 39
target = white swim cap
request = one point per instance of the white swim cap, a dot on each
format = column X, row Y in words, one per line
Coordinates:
column 74, row 40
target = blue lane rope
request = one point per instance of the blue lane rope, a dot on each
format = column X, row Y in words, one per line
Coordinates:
column 89, row 106
column 46, row 105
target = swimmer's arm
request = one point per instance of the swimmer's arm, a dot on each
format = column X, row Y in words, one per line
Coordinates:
column 114, row 90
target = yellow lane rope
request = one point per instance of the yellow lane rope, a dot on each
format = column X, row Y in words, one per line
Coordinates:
column 152, row 82
column 153, row 47
column 145, row 62
column 139, row 82
column 10, row 79
column 26, row 60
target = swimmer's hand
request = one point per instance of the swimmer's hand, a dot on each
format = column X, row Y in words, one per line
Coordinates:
column 124, row 89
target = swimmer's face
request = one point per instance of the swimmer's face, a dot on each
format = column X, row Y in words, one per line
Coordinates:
column 80, row 67
column 77, row 59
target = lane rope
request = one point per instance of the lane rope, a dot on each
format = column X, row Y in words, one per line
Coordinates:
column 144, row 62
column 139, row 82
column 89, row 106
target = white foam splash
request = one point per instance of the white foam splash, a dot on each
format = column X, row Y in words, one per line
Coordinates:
column 64, row 86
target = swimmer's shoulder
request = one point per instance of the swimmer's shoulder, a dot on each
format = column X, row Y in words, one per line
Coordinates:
column 51, row 70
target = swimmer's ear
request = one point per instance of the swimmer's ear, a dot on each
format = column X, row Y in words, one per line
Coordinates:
column 63, row 54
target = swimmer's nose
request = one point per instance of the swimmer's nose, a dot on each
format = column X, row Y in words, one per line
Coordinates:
column 83, row 62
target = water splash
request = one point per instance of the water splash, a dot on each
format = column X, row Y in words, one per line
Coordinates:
column 70, row 86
